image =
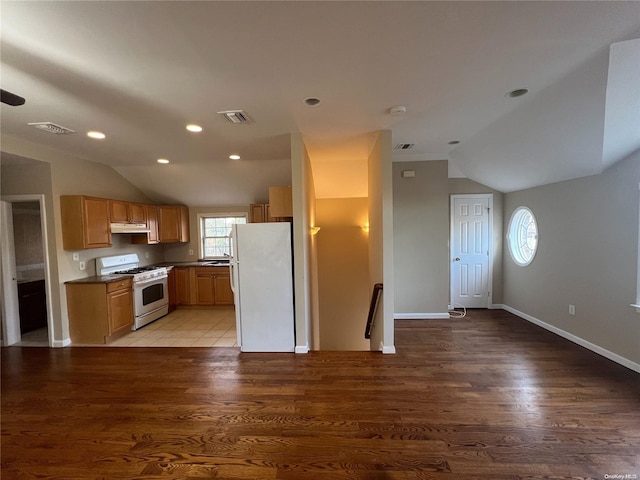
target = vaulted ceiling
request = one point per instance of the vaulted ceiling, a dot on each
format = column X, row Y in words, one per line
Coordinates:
column 141, row 71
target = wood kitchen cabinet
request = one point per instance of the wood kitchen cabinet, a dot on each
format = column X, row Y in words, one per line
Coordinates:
column 281, row 202
column 99, row 312
column 173, row 224
column 212, row 286
column 183, row 285
column 222, row 289
column 203, row 286
column 150, row 238
column 261, row 213
column 127, row 212
column 171, row 287
column 85, row 222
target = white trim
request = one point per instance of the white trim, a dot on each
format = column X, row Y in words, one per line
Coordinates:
column 47, row 261
column 421, row 316
column 578, row 340
column 638, row 266
column 489, row 196
column 636, row 306
column 201, row 215
column 388, row 350
column 61, row 343
column 302, row 349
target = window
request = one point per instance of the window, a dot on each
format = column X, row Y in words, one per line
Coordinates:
column 523, row 236
column 215, row 234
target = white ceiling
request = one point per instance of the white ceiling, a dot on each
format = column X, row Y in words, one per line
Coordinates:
column 140, row 71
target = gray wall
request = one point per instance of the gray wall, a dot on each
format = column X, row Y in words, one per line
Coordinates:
column 587, row 256
column 421, row 237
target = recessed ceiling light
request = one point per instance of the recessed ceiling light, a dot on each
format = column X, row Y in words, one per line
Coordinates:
column 162, row 160
column 234, row 157
column 518, row 92
column 96, row 135
column 192, row 127
column 312, row 101
column 454, row 142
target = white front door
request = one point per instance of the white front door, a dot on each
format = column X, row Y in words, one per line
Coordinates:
column 470, row 250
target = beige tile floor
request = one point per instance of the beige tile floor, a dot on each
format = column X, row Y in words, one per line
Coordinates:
column 185, row 328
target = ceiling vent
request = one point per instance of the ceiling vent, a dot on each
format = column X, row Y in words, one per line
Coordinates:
column 404, row 146
column 236, row 116
column 52, row 128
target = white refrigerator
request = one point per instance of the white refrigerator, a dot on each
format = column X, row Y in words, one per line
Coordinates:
column 262, row 283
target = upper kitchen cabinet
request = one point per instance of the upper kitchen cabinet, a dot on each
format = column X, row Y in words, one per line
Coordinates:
column 261, row 213
column 127, row 212
column 281, row 202
column 150, row 238
column 85, row 222
column 173, row 223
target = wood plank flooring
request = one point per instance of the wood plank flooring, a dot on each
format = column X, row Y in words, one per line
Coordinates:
column 489, row 396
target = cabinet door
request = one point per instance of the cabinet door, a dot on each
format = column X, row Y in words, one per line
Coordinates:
column 257, row 213
column 152, row 223
column 204, row 283
column 184, row 223
column 169, row 224
column 120, row 310
column 137, row 213
column 97, row 230
column 118, row 210
column 223, row 293
column 171, row 286
column 183, row 292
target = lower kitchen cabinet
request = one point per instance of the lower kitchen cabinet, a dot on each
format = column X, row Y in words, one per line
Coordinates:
column 171, row 286
column 99, row 312
column 203, row 286
column 183, row 285
column 212, row 286
column 222, row 289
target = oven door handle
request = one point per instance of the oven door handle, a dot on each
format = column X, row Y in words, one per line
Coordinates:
column 151, row 280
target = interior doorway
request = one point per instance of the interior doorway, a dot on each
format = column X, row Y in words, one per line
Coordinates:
column 26, row 281
column 471, row 251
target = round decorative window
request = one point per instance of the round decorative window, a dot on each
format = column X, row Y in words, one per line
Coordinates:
column 523, row 236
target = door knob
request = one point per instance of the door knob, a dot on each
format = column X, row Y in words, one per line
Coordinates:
column 457, row 259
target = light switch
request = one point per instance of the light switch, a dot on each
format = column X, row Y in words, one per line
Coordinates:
column 76, row 256
column 81, row 265
column 408, row 173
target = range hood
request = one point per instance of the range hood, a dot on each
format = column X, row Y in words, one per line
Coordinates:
column 129, row 228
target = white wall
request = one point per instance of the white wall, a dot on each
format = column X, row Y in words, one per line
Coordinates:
column 587, row 256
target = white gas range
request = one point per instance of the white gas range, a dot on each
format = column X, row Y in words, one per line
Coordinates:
column 150, row 295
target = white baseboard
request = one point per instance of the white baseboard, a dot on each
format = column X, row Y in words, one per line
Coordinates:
column 302, row 349
column 390, row 350
column 421, row 316
column 61, row 343
column 578, row 340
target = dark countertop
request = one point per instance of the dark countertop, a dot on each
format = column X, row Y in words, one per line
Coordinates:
column 100, row 279
column 192, row 264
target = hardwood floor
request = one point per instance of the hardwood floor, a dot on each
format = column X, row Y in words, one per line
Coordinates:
column 489, row 396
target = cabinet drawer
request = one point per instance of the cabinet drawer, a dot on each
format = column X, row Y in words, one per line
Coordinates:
column 119, row 285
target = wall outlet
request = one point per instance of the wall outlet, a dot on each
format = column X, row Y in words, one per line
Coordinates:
column 146, row 254
column 82, row 265
column 572, row 309
column 76, row 256
column 191, row 251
